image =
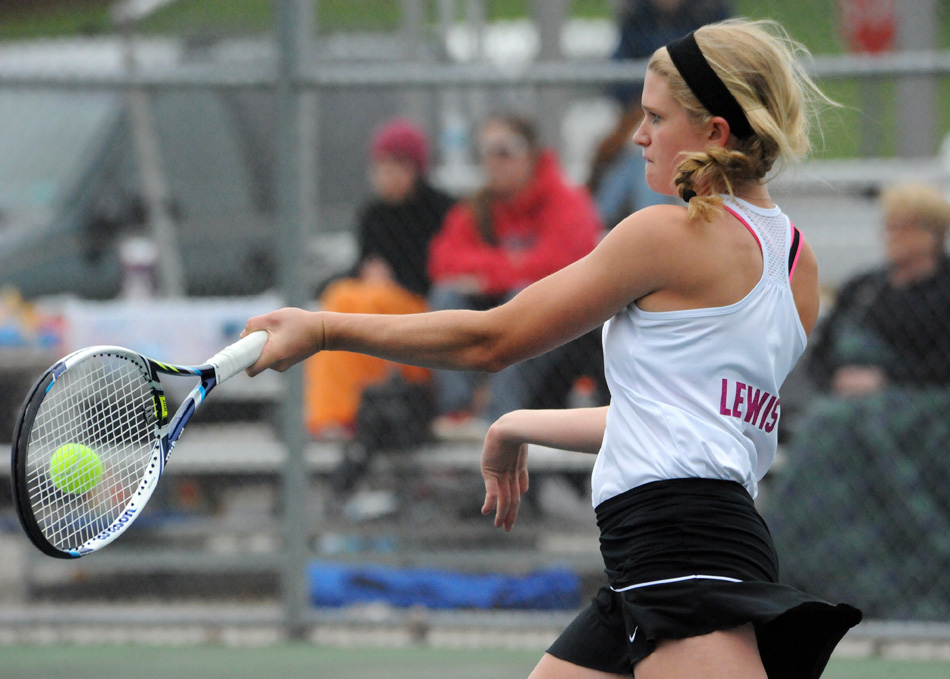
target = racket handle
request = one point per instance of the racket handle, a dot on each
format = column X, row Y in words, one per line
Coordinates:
column 233, row 359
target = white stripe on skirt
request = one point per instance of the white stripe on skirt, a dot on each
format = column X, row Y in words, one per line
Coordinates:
column 682, row 579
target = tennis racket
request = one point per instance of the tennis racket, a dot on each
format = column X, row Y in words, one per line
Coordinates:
column 108, row 404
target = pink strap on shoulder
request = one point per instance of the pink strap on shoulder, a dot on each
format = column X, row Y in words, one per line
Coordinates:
column 745, row 224
column 794, row 251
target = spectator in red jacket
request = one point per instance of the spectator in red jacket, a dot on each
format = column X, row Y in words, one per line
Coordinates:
column 525, row 223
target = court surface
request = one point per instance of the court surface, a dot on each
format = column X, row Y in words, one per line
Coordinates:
column 293, row 661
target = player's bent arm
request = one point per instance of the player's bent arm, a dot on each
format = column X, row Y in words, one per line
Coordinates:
column 575, row 429
column 505, row 454
column 637, row 257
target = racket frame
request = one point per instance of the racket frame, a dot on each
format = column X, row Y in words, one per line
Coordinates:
column 166, row 433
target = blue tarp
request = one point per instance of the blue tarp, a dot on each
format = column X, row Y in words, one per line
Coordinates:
column 335, row 585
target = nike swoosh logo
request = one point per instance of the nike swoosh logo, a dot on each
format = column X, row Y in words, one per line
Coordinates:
column 634, row 635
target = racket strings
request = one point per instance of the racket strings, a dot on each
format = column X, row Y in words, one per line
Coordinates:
column 105, row 403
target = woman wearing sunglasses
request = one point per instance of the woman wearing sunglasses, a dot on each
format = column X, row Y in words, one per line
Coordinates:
column 526, row 222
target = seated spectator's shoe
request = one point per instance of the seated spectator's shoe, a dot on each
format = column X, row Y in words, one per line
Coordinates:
column 335, row 433
column 459, row 426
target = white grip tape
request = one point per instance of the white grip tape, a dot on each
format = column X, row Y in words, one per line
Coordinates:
column 233, row 359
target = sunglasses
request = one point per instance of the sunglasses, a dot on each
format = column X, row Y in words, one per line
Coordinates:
column 503, row 149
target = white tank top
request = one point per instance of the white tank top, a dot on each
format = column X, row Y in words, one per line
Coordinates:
column 695, row 393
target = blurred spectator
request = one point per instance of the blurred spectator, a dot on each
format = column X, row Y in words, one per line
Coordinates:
column 527, row 222
column 395, row 229
column 881, row 432
column 616, row 175
column 892, row 325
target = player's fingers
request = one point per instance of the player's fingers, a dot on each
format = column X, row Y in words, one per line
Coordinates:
column 273, row 356
column 522, row 468
column 504, row 508
column 502, row 504
column 258, row 366
column 518, row 486
column 491, row 496
column 514, row 504
column 253, row 325
column 267, row 362
column 254, row 369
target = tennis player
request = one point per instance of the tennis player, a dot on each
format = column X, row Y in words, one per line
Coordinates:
column 706, row 308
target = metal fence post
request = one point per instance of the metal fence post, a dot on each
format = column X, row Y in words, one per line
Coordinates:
column 917, row 23
column 291, row 23
column 152, row 179
column 550, row 17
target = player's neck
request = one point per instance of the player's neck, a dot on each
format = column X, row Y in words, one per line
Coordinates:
column 757, row 194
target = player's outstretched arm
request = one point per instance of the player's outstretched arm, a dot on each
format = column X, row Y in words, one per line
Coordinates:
column 639, row 256
column 505, row 453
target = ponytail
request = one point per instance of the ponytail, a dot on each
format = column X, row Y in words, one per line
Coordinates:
column 760, row 67
column 702, row 176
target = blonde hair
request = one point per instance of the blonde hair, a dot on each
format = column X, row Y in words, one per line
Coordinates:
column 759, row 63
column 922, row 204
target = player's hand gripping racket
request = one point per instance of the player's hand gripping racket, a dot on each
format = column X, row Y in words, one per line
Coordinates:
column 93, row 437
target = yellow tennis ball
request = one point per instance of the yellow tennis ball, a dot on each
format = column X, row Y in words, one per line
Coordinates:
column 75, row 468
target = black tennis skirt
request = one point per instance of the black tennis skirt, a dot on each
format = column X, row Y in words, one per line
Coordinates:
column 689, row 557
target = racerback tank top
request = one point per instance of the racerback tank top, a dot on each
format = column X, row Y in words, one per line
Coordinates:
column 695, row 393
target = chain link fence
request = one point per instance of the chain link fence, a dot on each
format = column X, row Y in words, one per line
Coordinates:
column 126, row 158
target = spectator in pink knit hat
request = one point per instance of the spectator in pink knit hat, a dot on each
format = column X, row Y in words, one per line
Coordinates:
column 402, row 140
column 390, row 275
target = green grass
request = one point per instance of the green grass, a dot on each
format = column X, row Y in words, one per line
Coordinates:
column 799, row 19
column 70, row 17
column 843, row 128
column 293, row 661
column 23, row 19
column 22, row 22
column 213, row 17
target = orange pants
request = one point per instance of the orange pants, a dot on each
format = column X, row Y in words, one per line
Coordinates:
column 334, row 380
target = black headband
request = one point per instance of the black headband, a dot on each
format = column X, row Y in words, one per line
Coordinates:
column 706, row 85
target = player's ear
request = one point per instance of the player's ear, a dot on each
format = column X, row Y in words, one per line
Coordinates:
column 719, row 132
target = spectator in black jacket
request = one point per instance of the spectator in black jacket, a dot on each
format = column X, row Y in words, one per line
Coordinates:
column 390, row 276
column 397, row 225
column 892, row 325
column 879, row 433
